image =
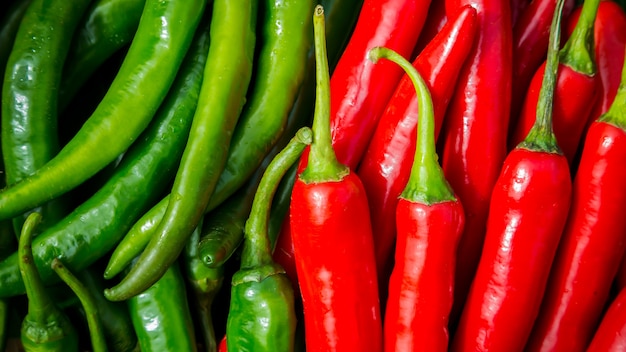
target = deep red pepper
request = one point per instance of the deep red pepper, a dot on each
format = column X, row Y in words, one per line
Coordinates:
column 430, row 221
column 610, row 336
column 386, row 164
column 593, row 242
column 530, row 45
column 517, row 8
column 527, row 213
column 332, row 239
column 359, row 89
column 435, row 21
column 284, row 255
column 474, row 146
column 576, row 89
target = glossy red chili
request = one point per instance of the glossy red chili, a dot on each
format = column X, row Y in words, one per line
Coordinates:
column 386, row 164
column 474, row 146
column 576, row 89
column 430, row 220
column 332, row 238
column 435, row 21
column 610, row 335
column 593, row 242
column 527, row 213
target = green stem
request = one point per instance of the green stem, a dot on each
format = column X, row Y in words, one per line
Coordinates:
column 578, row 51
column 257, row 250
column 323, row 164
column 541, row 136
column 427, row 183
column 616, row 114
column 96, row 332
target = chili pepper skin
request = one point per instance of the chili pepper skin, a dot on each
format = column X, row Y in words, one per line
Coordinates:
column 474, row 146
column 98, row 224
column 527, row 214
column 29, row 93
column 146, row 75
column 610, row 334
column 107, row 26
column 592, row 244
column 9, row 24
column 161, row 315
column 45, row 327
column 435, row 21
column 430, row 222
column 517, row 7
column 386, row 164
column 332, row 237
column 221, row 100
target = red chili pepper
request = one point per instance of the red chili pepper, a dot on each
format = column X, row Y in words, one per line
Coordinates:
column 527, row 213
column 435, row 20
column 332, row 238
column 386, row 164
column 610, row 335
column 359, row 89
column 530, row 45
column 576, row 89
column 284, row 255
column 430, row 221
column 474, row 146
column 593, row 242
column 517, row 8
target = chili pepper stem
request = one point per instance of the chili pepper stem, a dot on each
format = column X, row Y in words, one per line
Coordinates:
column 578, row 51
column 427, row 183
column 322, row 164
column 541, row 136
column 257, row 250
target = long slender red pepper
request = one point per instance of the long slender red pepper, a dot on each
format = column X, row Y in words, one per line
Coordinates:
column 386, row 164
column 530, row 45
column 576, row 87
column 610, row 336
column 430, row 221
column 474, row 146
column 593, row 242
column 435, row 21
column 517, row 8
column 359, row 89
column 527, row 213
column 332, row 238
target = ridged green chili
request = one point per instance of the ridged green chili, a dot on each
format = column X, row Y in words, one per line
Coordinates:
column 227, row 75
column 164, row 34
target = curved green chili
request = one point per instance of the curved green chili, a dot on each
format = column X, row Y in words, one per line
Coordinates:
column 227, row 75
column 45, row 327
column 145, row 76
column 98, row 224
column 96, row 331
column 9, row 23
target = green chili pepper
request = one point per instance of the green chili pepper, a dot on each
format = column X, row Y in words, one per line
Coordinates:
column 205, row 283
column 9, row 23
column 45, row 327
column 145, row 76
column 222, row 97
column 107, row 26
column 262, row 314
column 96, row 331
column 161, row 315
column 98, row 224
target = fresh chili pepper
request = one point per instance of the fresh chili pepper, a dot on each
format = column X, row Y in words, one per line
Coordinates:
column 205, row 283
column 96, row 331
column 527, row 213
column 45, row 327
column 430, row 222
column 474, row 146
column 576, row 88
column 435, row 21
column 9, row 24
column 161, row 315
column 593, row 242
column 98, row 224
column 107, row 26
column 146, row 75
column 29, row 93
column 222, row 97
column 610, row 335
column 386, row 164
column 332, row 237
column 517, row 8
column 530, row 45
column 262, row 312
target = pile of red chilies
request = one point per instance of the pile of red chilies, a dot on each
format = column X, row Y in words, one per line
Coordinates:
column 527, row 252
